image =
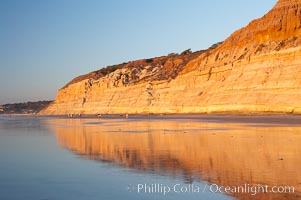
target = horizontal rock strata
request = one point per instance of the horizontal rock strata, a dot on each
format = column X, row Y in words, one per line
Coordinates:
column 256, row 70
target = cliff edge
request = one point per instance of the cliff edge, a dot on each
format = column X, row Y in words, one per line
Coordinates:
column 255, row 70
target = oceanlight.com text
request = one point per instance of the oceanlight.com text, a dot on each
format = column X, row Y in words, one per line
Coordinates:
column 252, row 189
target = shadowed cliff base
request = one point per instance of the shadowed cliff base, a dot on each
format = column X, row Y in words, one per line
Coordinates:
column 255, row 70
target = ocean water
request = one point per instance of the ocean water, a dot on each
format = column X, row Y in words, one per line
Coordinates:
column 163, row 157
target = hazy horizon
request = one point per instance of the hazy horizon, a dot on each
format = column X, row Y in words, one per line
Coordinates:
column 45, row 44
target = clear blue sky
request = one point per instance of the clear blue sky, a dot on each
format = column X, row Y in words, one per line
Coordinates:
column 44, row 44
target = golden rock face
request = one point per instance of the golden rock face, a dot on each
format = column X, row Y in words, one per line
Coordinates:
column 255, row 70
column 228, row 154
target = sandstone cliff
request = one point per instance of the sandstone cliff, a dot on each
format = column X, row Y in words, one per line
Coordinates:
column 255, row 70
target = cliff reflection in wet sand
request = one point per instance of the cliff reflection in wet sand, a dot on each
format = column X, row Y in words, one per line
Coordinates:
column 223, row 153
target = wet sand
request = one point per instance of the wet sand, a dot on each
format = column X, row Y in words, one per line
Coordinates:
column 226, row 150
column 223, row 118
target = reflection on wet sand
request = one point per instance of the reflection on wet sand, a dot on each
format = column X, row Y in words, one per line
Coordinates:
column 228, row 154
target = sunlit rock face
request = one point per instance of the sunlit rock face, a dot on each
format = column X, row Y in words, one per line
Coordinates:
column 226, row 154
column 278, row 29
column 255, row 70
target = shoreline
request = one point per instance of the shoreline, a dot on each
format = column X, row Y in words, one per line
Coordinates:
column 267, row 118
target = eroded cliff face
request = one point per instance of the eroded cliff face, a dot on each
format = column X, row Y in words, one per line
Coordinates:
column 255, row 70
